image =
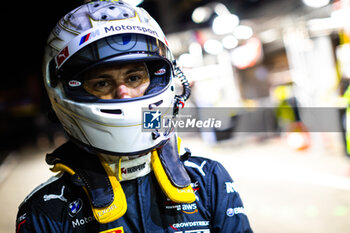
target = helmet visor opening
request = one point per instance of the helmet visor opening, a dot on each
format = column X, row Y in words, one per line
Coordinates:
column 117, row 82
column 125, row 66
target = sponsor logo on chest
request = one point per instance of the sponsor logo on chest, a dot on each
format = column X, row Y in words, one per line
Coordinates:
column 133, row 169
column 203, row 225
column 82, row 221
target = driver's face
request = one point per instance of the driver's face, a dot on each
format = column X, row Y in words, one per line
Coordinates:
column 117, row 82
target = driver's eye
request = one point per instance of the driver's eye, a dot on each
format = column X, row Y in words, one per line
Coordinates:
column 101, row 84
column 134, row 78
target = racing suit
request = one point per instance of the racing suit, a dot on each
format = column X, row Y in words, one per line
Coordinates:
column 59, row 205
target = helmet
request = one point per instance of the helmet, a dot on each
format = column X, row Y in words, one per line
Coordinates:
column 107, row 33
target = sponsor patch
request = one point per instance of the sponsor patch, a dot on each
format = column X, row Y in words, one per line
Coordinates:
column 75, row 207
column 195, row 187
column 193, row 165
column 74, row 83
column 230, row 212
column 189, row 208
column 185, row 208
column 231, row 187
column 82, row 221
column 133, row 169
column 60, row 196
column 160, row 72
column 190, row 224
column 170, row 205
column 123, row 42
column 233, row 211
column 86, row 37
column 62, row 56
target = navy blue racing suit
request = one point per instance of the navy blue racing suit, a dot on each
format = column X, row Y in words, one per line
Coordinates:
column 61, row 206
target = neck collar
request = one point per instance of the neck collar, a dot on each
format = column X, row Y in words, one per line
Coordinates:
column 126, row 168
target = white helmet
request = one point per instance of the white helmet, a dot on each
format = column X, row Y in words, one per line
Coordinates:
column 100, row 33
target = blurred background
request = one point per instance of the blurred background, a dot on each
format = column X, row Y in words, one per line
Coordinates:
column 283, row 57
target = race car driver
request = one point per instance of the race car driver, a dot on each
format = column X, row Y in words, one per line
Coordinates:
column 105, row 63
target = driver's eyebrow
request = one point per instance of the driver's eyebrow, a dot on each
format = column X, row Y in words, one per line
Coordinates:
column 136, row 69
column 97, row 76
column 102, row 75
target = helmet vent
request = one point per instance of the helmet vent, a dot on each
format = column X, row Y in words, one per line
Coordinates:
column 154, row 105
column 112, row 111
